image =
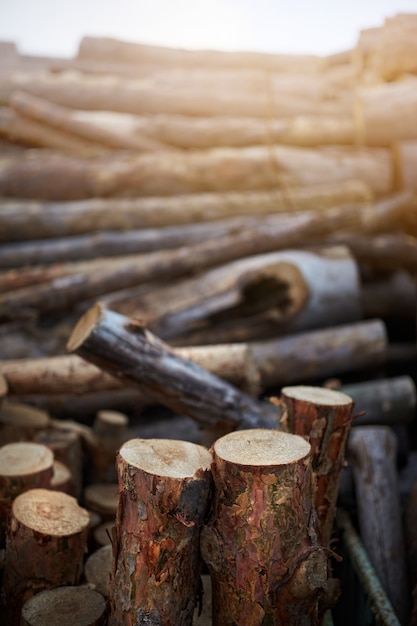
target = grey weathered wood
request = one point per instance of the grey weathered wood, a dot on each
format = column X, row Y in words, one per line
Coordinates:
column 372, row 453
column 127, row 350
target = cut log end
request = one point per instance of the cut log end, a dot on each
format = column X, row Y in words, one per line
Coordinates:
column 112, row 419
column 50, row 513
column 165, row 457
column 261, row 447
column 69, row 606
column 23, row 415
column 24, row 458
column 317, row 395
column 84, row 327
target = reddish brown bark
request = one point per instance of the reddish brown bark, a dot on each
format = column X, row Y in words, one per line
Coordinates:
column 164, row 487
column 324, row 417
column 46, row 542
column 260, row 542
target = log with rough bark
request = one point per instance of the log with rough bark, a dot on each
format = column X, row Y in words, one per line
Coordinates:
column 72, row 606
column 23, row 466
column 258, row 296
column 385, row 113
column 372, row 454
column 265, row 236
column 23, row 220
column 88, row 280
column 20, row 422
column 410, row 519
column 385, row 401
column 126, row 349
column 46, row 543
column 164, row 487
column 73, row 375
column 324, row 417
column 39, row 176
column 260, row 543
column 321, row 353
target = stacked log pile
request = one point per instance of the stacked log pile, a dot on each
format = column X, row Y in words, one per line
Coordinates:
column 254, row 217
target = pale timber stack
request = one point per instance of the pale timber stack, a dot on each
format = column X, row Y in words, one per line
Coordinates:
column 208, row 274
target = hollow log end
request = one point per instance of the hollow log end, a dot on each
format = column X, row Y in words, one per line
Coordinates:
column 85, row 326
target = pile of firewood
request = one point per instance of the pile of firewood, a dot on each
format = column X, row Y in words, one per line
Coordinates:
column 248, row 224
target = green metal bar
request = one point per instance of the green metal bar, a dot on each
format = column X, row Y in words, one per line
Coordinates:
column 381, row 606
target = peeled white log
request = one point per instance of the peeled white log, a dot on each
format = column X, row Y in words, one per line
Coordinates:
column 387, row 112
column 405, row 155
column 396, row 52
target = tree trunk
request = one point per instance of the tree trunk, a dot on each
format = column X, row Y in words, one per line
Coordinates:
column 127, row 350
column 259, row 545
column 283, row 292
column 164, row 487
column 23, row 466
column 26, row 219
column 72, row 606
column 321, row 353
column 46, row 543
column 372, row 454
column 324, row 417
column 38, row 176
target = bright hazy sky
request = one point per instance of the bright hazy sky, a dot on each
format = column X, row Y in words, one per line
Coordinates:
column 55, row 27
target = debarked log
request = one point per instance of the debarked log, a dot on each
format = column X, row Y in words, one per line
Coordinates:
column 129, row 351
column 86, row 129
column 263, row 295
column 164, row 487
column 260, row 543
column 39, row 176
column 395, row 54
column 23, row 220
column 32, row 133
column 139, row 96
column 324, row 417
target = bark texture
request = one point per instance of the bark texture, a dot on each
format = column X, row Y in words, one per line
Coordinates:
column 324, row 417
column 164, row 487
column 260, row 542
